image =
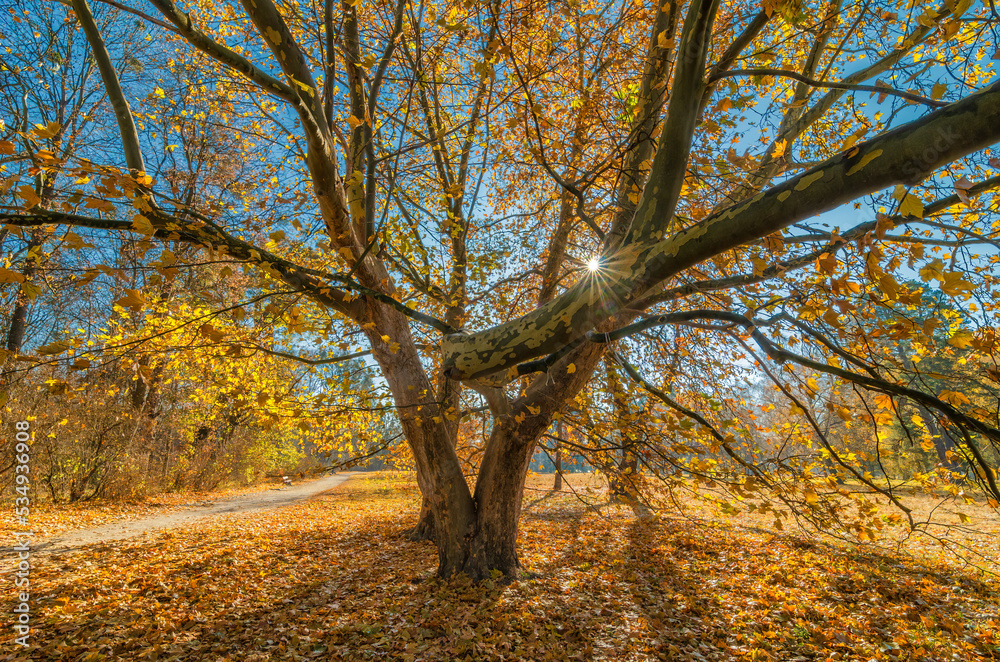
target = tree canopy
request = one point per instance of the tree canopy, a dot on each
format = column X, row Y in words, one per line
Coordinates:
column 746, row 246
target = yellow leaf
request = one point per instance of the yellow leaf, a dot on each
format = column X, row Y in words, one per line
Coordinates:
column 132, row 299
column 779, row 148
column 844, row 413
column 160, row 93
column 954, row 398
column 210, row 332
column 47, row 131
column 960, row 339
column 932, row 271
column 27, row 193
column 354, row 122
column 30, row 290
column 953, row 284
column 571, row 368
column 142, row 225
column 52, row 349
column 75, row 242
column 909, row 204
column 827, row 263
column 8, row 276
column 103, row 205
column 889, row 286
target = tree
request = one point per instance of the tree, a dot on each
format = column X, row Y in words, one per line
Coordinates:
column 417, row 142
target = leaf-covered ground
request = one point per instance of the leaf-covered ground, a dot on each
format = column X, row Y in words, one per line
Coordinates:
column 333, row 578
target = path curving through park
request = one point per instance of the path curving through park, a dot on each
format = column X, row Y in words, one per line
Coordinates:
column 72, row 541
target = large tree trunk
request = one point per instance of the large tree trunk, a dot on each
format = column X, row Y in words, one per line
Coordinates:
column 424, row 528
column 449, row 394
column 474, row 535
column 439, row 473
column 500, row 485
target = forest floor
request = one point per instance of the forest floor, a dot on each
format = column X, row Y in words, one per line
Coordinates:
column 335, row 578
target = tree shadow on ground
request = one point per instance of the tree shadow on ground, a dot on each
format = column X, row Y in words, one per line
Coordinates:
column 716, row 593
column 339, row 584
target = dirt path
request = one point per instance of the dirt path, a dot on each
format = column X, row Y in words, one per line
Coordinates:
column 71, row 541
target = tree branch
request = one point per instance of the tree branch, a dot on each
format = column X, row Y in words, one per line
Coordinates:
column 877, row 89
column 221, row 53
column 906, row 154
column 870, row 381
column 123, row 114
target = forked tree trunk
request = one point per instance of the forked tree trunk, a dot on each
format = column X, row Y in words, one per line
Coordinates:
column 474, row 534
column 450, row 395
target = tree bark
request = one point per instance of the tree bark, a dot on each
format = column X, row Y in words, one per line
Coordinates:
column 424, row 528
column 500, row 485
column 439, row 473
